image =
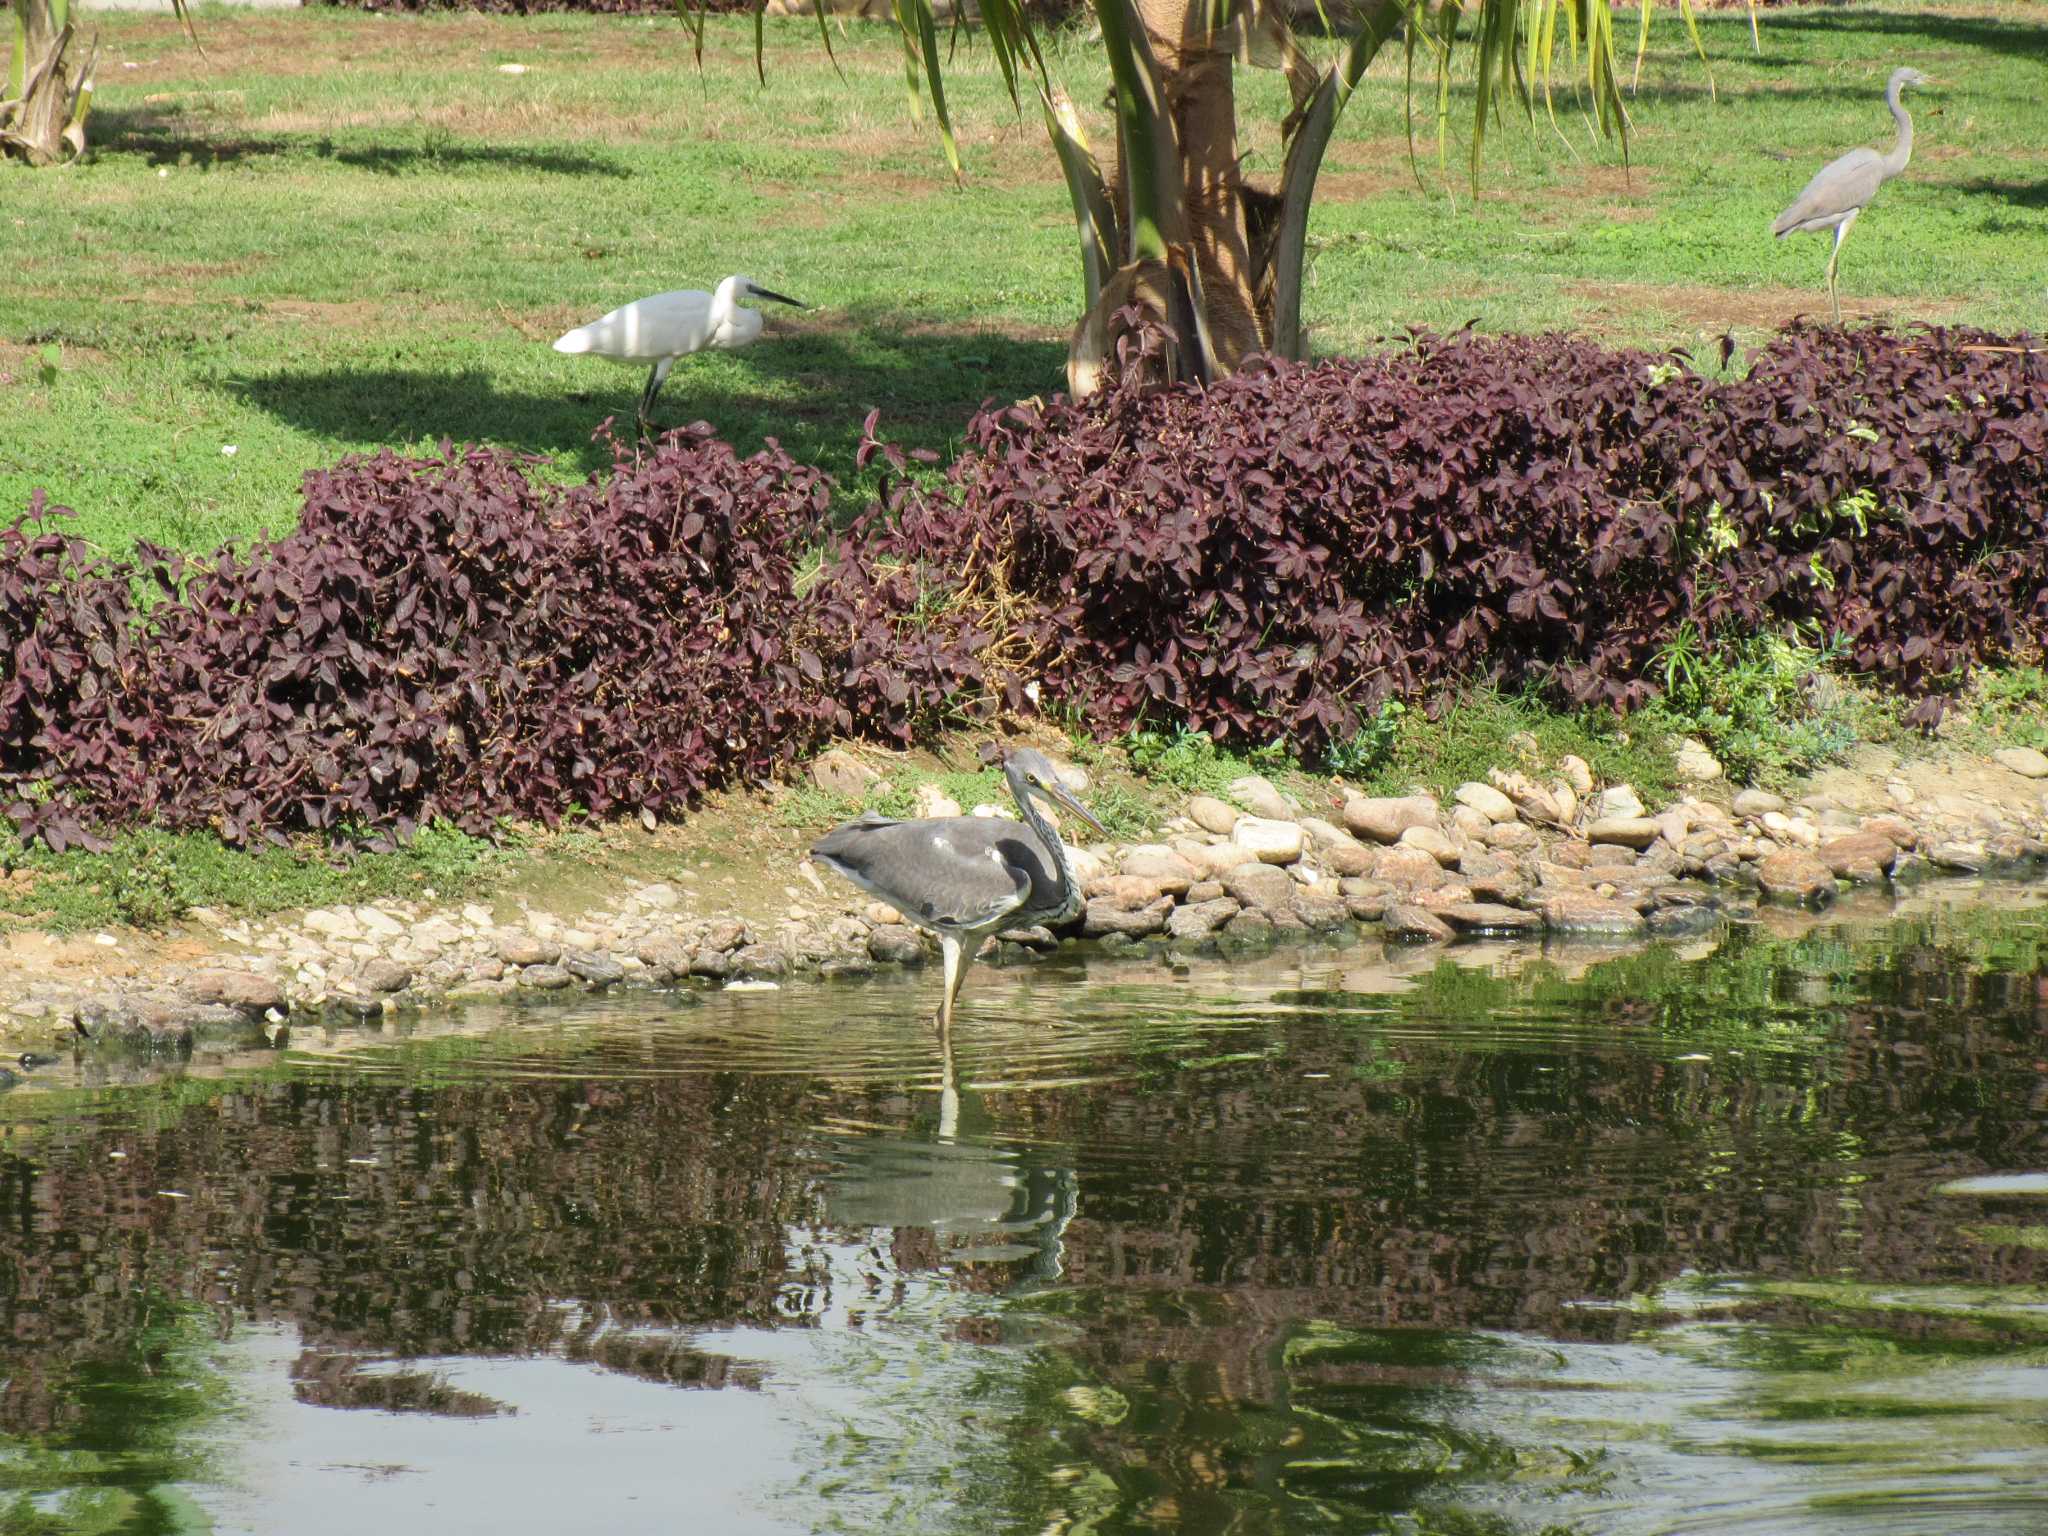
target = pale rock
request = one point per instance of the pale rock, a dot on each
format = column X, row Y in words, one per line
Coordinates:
column 1103, row 917
column 1861, row 856
column 1260, row 888
column 1271, row 841
column 1758, row 802
column 1408, row 868
column 1618, row 802
column 1130, row 892
column 1200, row 920
column 1894, row 828
column 1512, row 835
column 1578, row 774
column 578, row 938
column 379, row 924
column 1901, row 793
column 1584, row 915
column 1213, row 861
column 1385, row 818
column 1344, row 855
column 1567, row 800
column 1469, row 823
column 2027, row 762
column 1674, row 825
column 1432, row 842
column 882, row 915
column 931, row 801
column 661, row 896
column 477, row 916
column 1212, row 815
column 1486, row 800
column 990, row 808
column 839, row 772
column 518, row 948
column 1409, row 924
column 1257, row 795
column 1321, row 833
column 1072, row 776
column 1695, row 762
column 1321, row 909
column 1792, row 874
column 1530, row 799
column 1166, row 869
column 1636, row 832
column 1490, row 919
column 332, row 924
column 437, row 931
column 1086, row 864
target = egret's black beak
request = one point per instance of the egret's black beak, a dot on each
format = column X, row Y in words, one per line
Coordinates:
column 780, row 298
column 1061, row 796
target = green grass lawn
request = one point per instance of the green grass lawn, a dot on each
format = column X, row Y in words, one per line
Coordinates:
column 343, row 231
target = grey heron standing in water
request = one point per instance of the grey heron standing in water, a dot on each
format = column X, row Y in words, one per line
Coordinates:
column 1843, row 188
column 664, row 327
column 966, row 877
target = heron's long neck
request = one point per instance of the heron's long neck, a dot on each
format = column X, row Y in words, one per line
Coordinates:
column 1902, row 151
column 1048, row 834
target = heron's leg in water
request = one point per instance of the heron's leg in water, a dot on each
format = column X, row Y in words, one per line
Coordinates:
column 959, row 956
column 655, row 379
column 949, row 948
column 1841, row 234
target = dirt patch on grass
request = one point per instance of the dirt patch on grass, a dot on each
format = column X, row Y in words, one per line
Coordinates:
column 1605, row 306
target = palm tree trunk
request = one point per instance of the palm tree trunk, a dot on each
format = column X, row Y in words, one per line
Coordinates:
column 48, row 90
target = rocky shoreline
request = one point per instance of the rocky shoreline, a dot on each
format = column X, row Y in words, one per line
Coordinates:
column 1519, row 855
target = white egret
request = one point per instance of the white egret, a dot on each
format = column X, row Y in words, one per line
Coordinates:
column 667, row 326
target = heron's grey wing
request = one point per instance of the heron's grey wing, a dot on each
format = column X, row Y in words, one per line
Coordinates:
column 947, row 873
column 1837, row 188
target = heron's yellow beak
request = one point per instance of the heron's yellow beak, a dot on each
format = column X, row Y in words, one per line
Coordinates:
column 1063, row 797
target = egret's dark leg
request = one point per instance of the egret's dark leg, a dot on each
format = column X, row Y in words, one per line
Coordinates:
column 655, row 379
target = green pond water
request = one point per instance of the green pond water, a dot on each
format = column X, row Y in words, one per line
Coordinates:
column 1738, row 1238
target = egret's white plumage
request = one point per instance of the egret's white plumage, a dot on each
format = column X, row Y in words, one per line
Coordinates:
column 665, row 327
column 1843, row 188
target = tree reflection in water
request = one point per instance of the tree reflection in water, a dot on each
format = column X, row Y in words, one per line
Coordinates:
column 1300, row 1249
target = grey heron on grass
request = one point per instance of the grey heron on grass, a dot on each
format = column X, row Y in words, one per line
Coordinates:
column 665, row 327
column 1843, row 188
column 966, row 877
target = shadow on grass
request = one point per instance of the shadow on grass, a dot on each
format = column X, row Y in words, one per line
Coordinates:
column 809, row 386
column 2019, row 194
column 1935, row 28
column 169, row 137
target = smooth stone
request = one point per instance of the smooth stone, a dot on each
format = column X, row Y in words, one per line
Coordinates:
column 1203, row 890
column 1636, row 832
column 1585, row 915
column 1683, row 922
column 1271, row 842
column 840, row 773
column 594, row 967
column 545, row 978
column 1257, row 795
column 1860, row 856
column 2027, row 762
column 1468, row 823
column 1758, row 802
column 385, row 976
column 1409, row 869
column 1490, row 917
column 716, row 964
column 518, row 948
column 1409, row 924
column 1487, row 801
column 1260, row 888
column 1693, row 761
column 760, row 962
column 1200, row 920
column 1792, row 874
column 1577, row 773
column 1037, row 936
column 1130, row 892
column 1167, row 870
column 236, row 989
column 1385, row 818
column 1896, row 828
column 1512, row 835
column 332, row 924
column 1571, row 855
column 1103, row 917
column 1212, row 815
column 1320, row 908
column 1432, row 842
column 1618, row 802
column 896, row 944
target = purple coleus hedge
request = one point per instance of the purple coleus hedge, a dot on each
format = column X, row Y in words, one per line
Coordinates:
column 1271, row 558
column 1267, row 559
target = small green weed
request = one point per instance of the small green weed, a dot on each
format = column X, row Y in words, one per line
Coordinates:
column 1482, row 729
column 1125, row 815
column 1190, row 762
column 806, row 806
column 1765, row 705
column 2005, row 707
column 1372, row 748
